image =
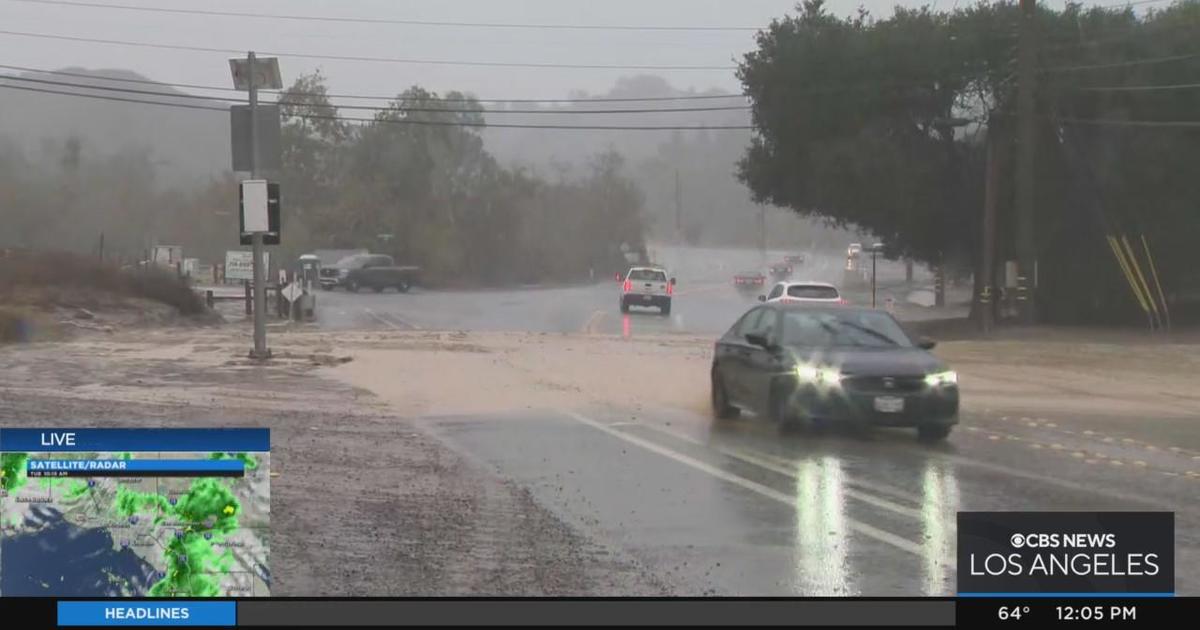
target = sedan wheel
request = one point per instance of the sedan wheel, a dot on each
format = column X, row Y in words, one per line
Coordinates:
column 720, row 400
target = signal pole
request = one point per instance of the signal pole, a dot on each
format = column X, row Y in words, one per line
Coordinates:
column 1026, row 242
column 260, row 274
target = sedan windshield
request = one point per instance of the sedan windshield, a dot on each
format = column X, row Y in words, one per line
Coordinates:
column 823, row 329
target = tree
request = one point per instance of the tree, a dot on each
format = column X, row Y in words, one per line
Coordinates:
column 878, row 124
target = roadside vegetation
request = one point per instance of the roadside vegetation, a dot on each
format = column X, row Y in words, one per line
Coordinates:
column 39, row 289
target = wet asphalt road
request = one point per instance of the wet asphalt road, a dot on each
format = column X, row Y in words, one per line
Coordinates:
column 739, row 508
column 705, row 302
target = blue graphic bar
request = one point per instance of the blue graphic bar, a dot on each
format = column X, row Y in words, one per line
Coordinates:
column 148, row 466
column 135, row 613
column 1068, row 595
column 67, row 440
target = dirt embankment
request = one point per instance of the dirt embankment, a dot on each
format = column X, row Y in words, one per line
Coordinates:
column 50, row 295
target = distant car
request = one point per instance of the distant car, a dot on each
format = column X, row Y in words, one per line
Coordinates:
column 853, row 250
column 825, row 364
column 749, row 281
column 373, row 271
column 794, row 259
column 807, row 291
column 647, row 286
column 781, row 270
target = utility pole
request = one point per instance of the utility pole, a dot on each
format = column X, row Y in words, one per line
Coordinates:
column 762, row 232
column 260, row 274
column 678, row 209
column 987, row 297
column 876, row 248
column 1026, row 244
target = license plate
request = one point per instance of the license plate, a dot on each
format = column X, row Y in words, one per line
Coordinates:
column 646, row 298
column 889, row 404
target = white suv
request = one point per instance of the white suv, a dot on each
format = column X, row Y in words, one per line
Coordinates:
column 647, row 286
column 802, row 292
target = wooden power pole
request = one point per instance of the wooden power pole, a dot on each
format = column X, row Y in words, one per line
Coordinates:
column 1026, row 241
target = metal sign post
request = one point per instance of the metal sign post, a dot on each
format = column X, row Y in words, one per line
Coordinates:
column 251, row 77
column 260, row 274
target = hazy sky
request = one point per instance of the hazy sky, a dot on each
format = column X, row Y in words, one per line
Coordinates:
column 406, row 41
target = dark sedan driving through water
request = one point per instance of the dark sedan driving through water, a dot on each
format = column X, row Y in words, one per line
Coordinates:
column 799, row 362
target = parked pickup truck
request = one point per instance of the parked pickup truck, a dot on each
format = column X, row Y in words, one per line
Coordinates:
column 373, row 271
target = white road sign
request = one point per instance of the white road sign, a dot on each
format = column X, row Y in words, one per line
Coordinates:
column 292, row 291
column 239, row 264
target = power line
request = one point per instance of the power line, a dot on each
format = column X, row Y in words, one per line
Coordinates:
column 375, row 108
column 105, row 97
column 124, row 90
column 1122, row 64
column 1171, row 124
column 356, row 20
column 1139, row 88
column 647, row 99
column 403, row 121
column 1114, row 5
column 1131, row 32
column 431, row 62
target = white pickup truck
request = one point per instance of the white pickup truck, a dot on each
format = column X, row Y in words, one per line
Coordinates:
column 647, row 286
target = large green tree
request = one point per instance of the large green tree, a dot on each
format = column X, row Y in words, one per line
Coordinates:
column 880, row 123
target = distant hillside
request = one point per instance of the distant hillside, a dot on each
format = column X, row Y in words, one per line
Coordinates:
column 186, row 145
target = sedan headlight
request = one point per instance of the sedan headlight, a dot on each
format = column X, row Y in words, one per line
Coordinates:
column 937, row 379
column 819, row 375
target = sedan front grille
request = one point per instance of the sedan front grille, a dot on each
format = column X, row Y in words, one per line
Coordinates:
column 883, row 384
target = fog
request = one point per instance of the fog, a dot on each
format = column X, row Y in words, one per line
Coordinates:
column 187, row 146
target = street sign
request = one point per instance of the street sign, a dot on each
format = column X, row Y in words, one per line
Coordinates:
column 266, row 73
column 267, row 126
column 250, row 209
column 292, row 291
column 167, row 255
column 239, row 264
column 254, row 206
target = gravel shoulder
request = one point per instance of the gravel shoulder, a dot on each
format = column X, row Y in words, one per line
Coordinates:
column 365, row 503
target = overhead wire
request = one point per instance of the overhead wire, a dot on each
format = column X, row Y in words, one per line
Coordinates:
column 390, row 120
column 405, row 22
column 384, row 109
column 364, row 58
column 464, row 99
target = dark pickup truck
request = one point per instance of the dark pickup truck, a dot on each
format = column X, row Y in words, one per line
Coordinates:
column 373, row 271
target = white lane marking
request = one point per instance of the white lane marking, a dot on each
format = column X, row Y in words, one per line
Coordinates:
column 870, row 531
column 405, row 324
column 591, row 322
column 786, row 469
column 379, row 317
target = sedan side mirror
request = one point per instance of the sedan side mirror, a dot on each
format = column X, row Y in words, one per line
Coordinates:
column 756, row 339
column 926, row 343
column 762, row 298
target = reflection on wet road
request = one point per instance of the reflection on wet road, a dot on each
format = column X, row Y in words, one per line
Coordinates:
column 738, row 508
